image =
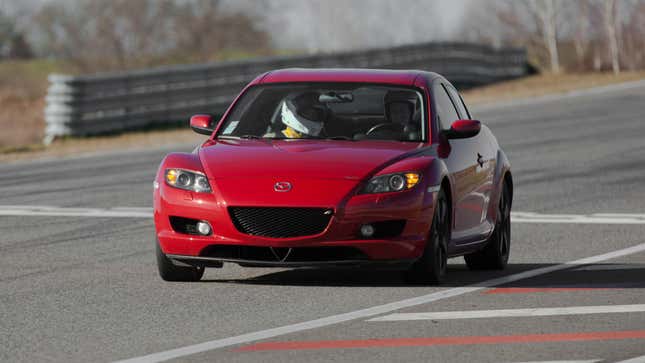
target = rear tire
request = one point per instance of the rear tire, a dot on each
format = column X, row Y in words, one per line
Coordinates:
column 495, row 255
column 431, row 267
column 171, row 272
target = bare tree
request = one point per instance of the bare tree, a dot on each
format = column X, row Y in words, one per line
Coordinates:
column 124, row 34
column 13, row 43
column 534, row 23
column 544, row 12
column 633, row 42
column 203, row 30
column 612, row 29
column 573, row 35
column 581, row 30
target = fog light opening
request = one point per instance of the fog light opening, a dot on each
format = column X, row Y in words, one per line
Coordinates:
column 367, row 230
column 203, row 228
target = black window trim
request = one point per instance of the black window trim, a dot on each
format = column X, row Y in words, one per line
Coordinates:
column 440, row 84
column 454, row 104
column 461, row 99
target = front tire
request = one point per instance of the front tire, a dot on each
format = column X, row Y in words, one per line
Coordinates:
column 431, row 267
column 495, row 255
column 171, row 272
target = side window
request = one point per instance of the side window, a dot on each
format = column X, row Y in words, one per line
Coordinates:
column 445, row 109
column 456, row 98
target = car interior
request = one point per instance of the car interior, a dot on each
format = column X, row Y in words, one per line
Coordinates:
column 366, row 112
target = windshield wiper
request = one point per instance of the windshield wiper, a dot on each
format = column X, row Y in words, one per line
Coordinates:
column 233, row 137
column 339, row 138
column 256, row 137
column 347, row 138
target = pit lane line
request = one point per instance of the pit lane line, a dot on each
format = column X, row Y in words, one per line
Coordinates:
column 375, row 310
column 442, row 341
column 137, row 212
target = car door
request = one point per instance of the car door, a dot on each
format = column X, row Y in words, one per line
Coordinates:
column 485, row 167
column 464, row 164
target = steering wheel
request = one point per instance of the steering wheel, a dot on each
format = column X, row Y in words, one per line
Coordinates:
column 384, row 126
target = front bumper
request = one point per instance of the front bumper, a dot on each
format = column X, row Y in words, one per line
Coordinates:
column 218, row 262
column 415, row 206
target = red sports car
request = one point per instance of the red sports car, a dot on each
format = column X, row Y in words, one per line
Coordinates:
column 329, row 167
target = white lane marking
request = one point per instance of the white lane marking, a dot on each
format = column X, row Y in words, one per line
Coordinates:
column 599, row 218
column 611, row 267
column 137, row 212
column 375, row 310
column 117, row 212
column 564, row 361
column 510, row 313
column 640, row 359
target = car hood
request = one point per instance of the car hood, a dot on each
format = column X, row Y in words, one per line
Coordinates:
column 323, row 159
column 319, row 173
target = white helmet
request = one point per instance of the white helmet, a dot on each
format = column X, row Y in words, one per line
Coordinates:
column 303, row 113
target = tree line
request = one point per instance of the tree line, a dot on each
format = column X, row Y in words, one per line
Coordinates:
column 574, row 35
column 100, row 35
column 110, row 35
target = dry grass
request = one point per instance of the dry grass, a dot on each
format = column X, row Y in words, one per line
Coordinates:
column 23, row 85
column 21, row 120
column 544, row 84
column 92, row 145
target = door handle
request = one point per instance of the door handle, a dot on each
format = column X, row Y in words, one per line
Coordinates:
column 480, row 160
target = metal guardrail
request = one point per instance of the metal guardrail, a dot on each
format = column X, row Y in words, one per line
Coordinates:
column 115, row 102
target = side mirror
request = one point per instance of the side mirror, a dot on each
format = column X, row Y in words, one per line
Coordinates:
column 202, row 124
column 462, row 129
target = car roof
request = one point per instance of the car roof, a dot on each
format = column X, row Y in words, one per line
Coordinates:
column 385, row 76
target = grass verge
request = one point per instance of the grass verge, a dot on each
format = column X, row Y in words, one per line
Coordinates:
column 544, row 84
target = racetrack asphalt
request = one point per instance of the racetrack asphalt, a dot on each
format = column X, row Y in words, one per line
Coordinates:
column 74, row 288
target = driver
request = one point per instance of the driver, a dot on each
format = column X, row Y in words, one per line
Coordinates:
column 399, row 109
column 302, row 115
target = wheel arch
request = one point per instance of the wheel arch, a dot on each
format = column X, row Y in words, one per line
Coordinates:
column 445, row 185
column 502, row 175
column 508, row 180
column 442, row 178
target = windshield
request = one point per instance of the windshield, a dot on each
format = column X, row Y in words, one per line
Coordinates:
column 327, row 111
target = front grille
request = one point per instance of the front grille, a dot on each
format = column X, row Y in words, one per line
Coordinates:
column 279, row 222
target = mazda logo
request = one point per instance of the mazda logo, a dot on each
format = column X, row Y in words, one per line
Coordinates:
column 282, row 186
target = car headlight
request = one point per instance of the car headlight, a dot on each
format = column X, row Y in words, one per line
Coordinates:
column 187, row 180
column 391, row 183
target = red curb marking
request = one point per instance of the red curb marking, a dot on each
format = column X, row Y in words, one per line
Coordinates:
column 467, row 340
column 528, row 290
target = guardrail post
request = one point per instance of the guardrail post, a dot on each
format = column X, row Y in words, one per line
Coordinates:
column 61, row 106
